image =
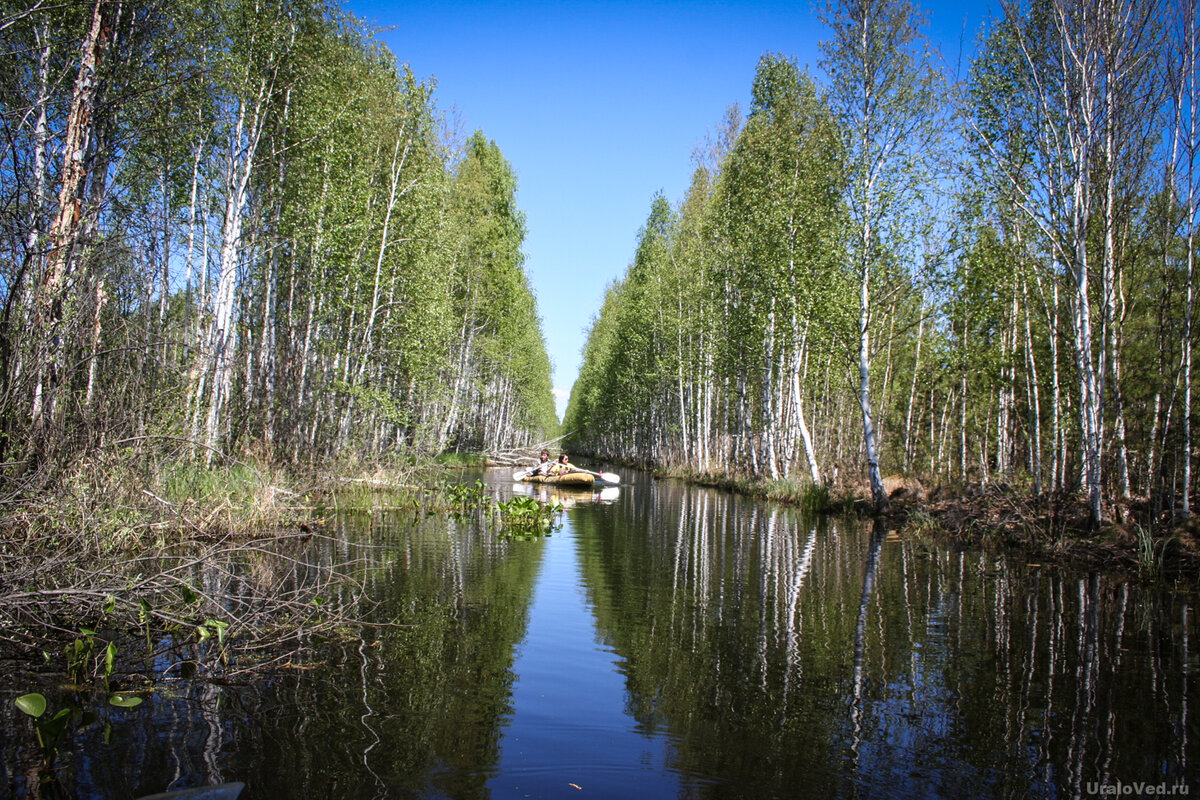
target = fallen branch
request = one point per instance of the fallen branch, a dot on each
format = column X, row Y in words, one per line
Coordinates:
column 521, row 456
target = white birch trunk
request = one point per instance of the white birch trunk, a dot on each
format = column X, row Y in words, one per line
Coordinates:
column 810, row 455
column 1190, row 80
column 864, row 388
column 222, row 334
column 768, row 398
column 912, row 392
column 1034, row 392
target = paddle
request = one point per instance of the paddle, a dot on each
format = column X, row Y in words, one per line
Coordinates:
column 517, row 476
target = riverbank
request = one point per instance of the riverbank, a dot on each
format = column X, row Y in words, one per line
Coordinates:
column 1055, row 527
column 1051, row 527
column 67, row 556
column 210, row 558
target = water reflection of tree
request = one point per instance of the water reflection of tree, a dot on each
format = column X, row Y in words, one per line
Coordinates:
column 412, row 707
column 433, row 696
column 860, row 635
column 781, row 654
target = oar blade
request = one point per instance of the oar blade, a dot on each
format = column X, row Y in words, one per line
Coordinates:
column 610, row 477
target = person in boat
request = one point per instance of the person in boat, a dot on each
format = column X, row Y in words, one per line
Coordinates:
column 544, row 465
column 562, row 466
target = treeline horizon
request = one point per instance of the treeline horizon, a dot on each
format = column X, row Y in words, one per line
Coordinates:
column 243, row 227
column 896, row 272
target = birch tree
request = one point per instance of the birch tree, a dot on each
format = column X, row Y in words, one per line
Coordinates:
column 780, row 211
column 1074, row 68
column 885, row 96
column 172, row 168
column 1183, row 183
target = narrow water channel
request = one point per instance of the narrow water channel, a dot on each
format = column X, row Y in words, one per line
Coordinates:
column 570, row 728
column 682, row 642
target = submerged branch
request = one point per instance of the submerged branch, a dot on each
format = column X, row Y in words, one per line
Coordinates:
column 265, row 592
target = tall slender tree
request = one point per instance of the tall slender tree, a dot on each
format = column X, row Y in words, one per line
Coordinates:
column 885, row 95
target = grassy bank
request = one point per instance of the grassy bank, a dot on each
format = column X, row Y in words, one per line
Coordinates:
column 129, row 541
column 791, row 491
column 1051, row 526
column 129, row 546
column 135, row 569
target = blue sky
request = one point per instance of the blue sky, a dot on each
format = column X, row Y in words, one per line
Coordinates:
column 598, row 106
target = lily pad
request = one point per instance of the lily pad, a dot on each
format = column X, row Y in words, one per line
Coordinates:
column 124, row 701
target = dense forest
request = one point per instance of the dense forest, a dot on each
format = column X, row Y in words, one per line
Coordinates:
column 891, row 270
column 242, row 227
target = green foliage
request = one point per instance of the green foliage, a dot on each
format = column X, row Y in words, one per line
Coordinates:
column 463, row 498
column 79, row 655
column 725, row 299
column 282, row 138
column 454, row 460
column 1152, row 551
column 500, row 350
column 215, row 627
column 33, row 704
column 523, row 517
column 50, row 731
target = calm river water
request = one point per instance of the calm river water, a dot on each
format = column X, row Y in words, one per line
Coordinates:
column 680, row 642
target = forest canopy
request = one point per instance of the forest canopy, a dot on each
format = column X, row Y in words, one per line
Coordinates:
column 881, row 270
column 243, row 226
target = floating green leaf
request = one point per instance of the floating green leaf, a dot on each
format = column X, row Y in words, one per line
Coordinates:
column 32, row 704
column 124, row 701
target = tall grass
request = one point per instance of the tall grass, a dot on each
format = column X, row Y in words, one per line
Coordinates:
column 239, row 483
column 460, row 460
column 1152, row 552
column 923, row 527
column 117, row 500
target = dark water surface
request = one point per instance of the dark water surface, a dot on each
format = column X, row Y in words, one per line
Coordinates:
column 682, row 642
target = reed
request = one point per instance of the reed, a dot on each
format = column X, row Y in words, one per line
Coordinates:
column 1152, row 551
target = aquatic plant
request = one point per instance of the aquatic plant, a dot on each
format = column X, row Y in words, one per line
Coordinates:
column 49, row 730
column 524, row 516
column 923, row 528
column 1151, row 553
column 463, row 498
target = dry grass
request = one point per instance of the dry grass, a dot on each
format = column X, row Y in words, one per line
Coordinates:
column 166, row 552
